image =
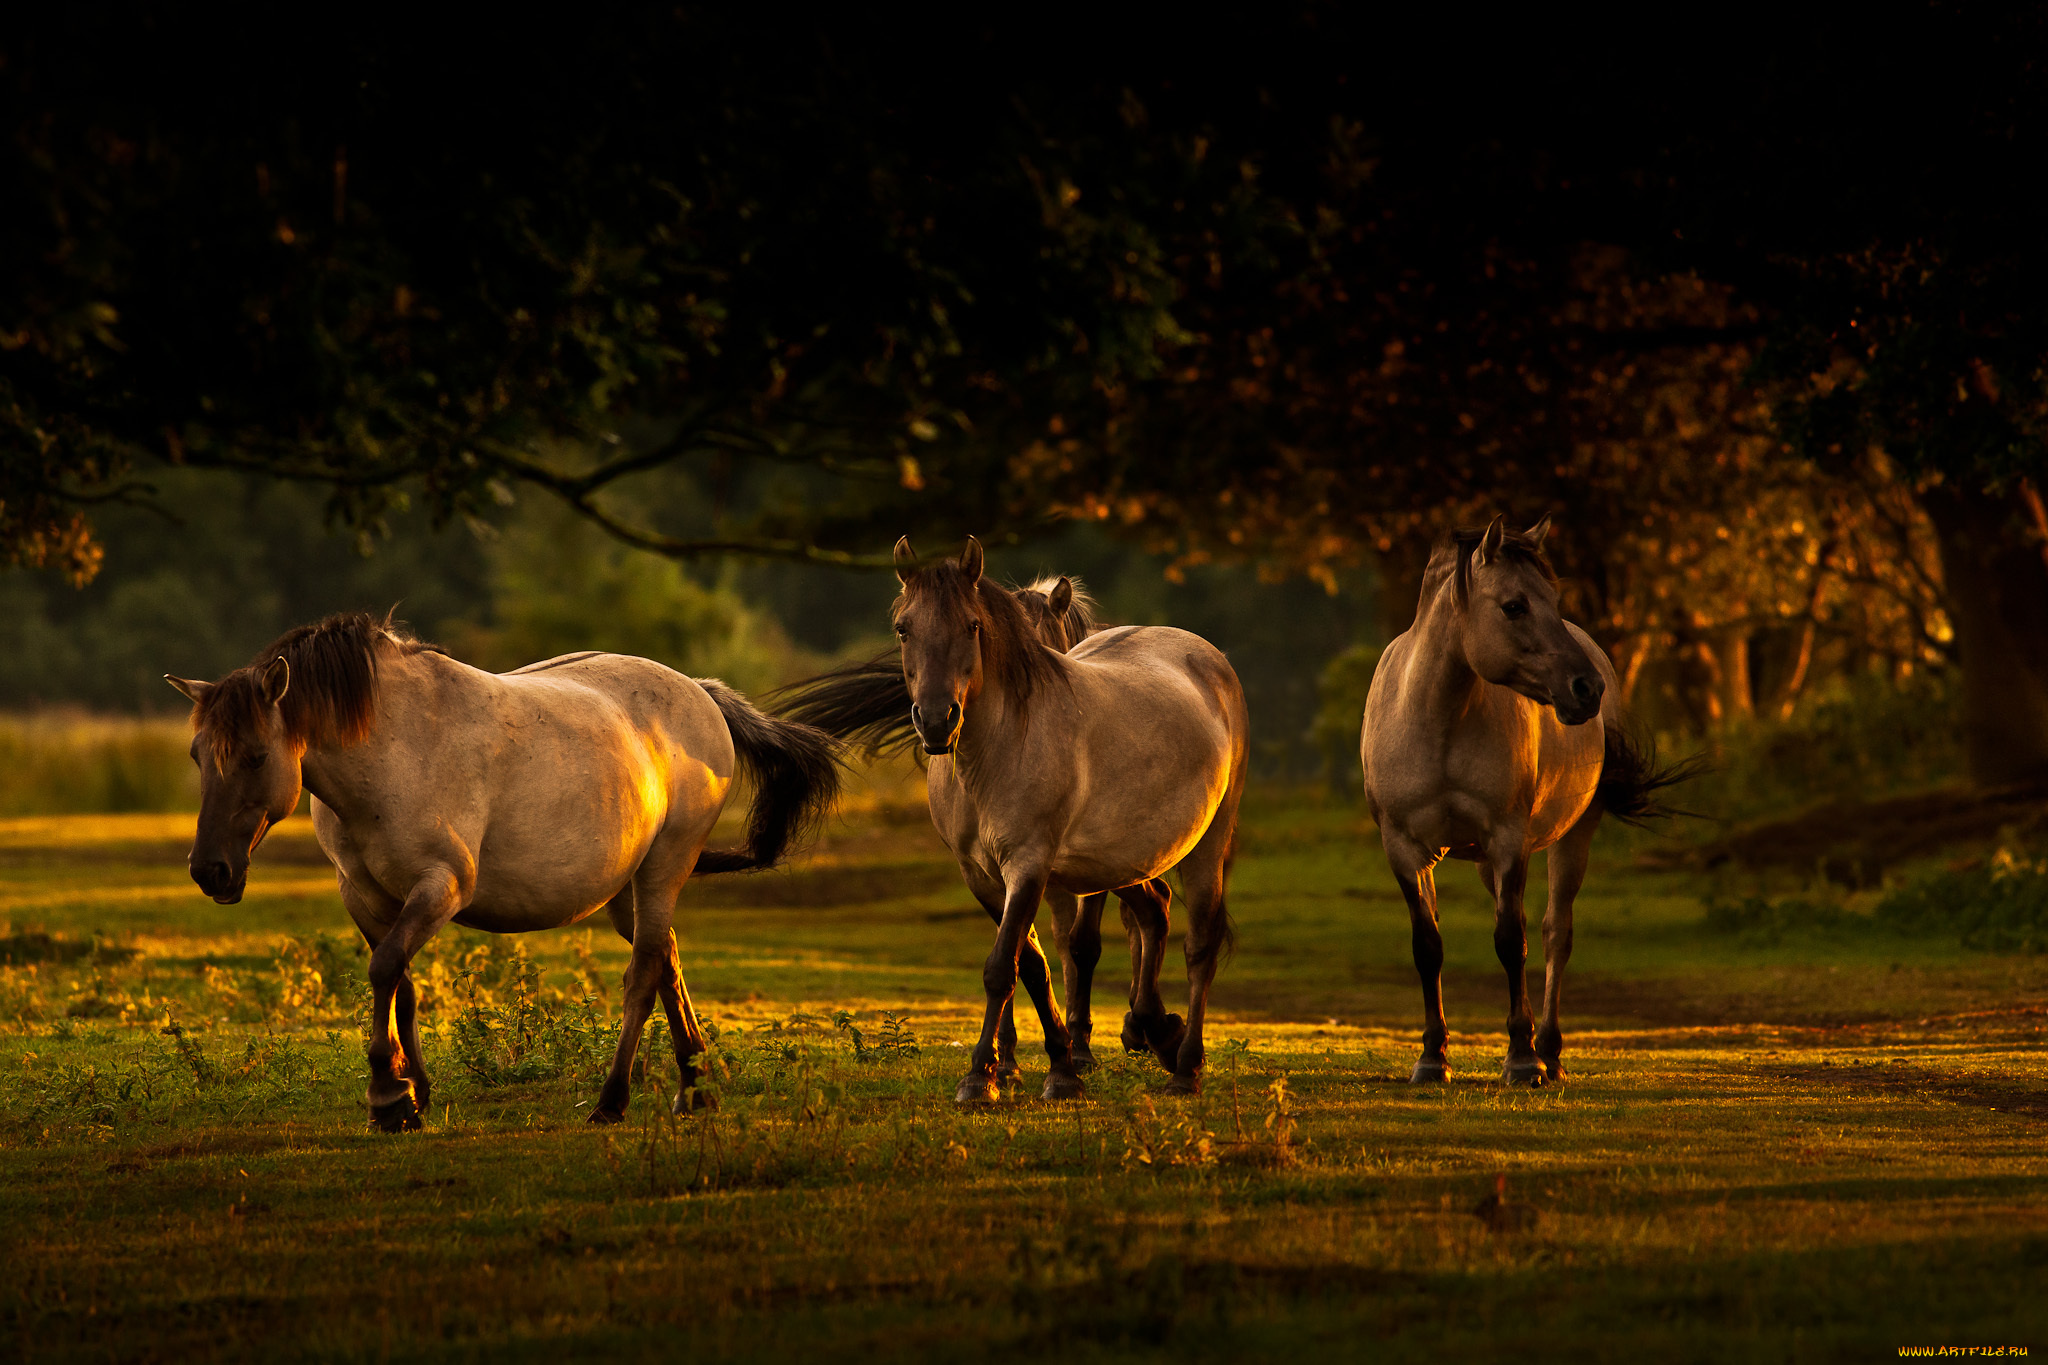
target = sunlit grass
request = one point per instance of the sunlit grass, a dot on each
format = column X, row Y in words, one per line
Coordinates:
column 66, row 763
column 1813, row 1148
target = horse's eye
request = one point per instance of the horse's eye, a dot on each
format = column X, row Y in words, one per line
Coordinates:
column 1514, row 610
column 974, row 626
column 903, row 632
column 255, row 761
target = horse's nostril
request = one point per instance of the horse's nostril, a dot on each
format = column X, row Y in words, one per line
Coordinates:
column 1582, row 688
column 953, row 715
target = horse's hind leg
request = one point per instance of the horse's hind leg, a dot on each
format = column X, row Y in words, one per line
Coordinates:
column 1509, row 873
column 1568, row 858
column 1412, row 867
column 1148, row 1027
column 1204, row 878
column 1077, row 928
column 654, row 972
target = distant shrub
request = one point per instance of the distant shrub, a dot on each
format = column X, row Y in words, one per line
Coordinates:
column 1999, row 906
column 1865, row 735
column 1758, row 921
column 1341, row 689
column 61, row 763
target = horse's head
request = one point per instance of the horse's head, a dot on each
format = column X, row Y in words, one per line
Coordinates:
column 249, row 771
column 1046, row 606
column 940, row 620
column 1513, row 633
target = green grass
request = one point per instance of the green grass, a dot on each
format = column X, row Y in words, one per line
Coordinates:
column 1808, row 1145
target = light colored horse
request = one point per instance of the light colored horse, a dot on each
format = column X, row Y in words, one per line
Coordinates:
column 1492, row 732
column 507, row 803
column 1096, row 770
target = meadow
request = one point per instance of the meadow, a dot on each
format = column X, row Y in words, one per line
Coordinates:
column 1781, row 1140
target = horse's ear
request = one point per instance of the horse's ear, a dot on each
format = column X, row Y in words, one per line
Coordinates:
column 1062, row 596
column 1490, row 543
column 906, row 559
column 1535, row 534
column 191, row 687
column 277, row 679
column 971, row 562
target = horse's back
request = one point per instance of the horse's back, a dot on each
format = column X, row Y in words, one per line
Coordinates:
column 1163, row 744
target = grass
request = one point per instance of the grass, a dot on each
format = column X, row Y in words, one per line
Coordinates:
column 62, row 762
column 1819, row 1144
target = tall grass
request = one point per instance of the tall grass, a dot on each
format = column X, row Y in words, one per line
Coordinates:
column 70, row 763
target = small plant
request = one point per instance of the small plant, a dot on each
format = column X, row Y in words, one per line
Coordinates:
column 1150, row 1140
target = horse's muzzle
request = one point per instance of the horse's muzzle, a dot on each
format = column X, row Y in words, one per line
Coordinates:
column 220, row 882
column 942, row 743
column 1581, row 701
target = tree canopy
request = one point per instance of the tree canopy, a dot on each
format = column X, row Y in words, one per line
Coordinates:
column 1300, row 290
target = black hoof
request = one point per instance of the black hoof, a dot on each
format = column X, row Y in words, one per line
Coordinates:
column 604, row 1117
column 980, row 1087
column 1518, row 1072
column 1553, row 1067
column 1430, row 1071
column 1063, row 1085
column 396, row 1116
column 1084, row 1060
column 1134, row 1035
column 1178, row 1084
column 1167, row 1036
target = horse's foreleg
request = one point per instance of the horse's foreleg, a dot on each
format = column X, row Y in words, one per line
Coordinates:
column 1148, row 1027
column 395, row 1099
column 1022, row 891
column 1032, row 969
column 1412, row 866
column 1080, row 949
column 1568, row 859
column 1510, row 874
column 405, row 1009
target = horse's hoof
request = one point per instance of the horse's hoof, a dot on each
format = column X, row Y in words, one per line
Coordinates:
column 1431, row 1071
column 1517, row 1072
column 979, row 1088
column 1006, row 1072
column 689, row 1100
column 1166, row 1040
column 1177, row 1084
column 605, row 1118
column 1063, row 1085
column 396, row 1116
column 1084, row 1059
column 1553, row 1068
column 1134, row 1035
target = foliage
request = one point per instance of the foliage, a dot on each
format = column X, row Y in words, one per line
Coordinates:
column 1864, row 735
column 56, row 763
column 1998, row 906
column 509, row 1028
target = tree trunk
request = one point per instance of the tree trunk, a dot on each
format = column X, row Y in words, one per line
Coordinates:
column 1996, row 583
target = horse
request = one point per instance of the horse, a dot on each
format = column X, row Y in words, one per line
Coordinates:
column 503, row 802
column 1492, row 731
column 1099, row 769
column 868, row 703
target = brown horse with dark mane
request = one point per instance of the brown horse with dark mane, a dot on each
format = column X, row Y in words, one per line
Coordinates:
column 506, row 802
column 1094, row 770
column 1493, row 731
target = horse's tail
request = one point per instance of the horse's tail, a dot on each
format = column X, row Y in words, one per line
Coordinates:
column 796, row 772
column 864, row 704
column 1631, row 777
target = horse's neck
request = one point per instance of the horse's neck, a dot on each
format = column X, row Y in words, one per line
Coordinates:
column 1441, row 681
column 338, row 776
column 990, row 753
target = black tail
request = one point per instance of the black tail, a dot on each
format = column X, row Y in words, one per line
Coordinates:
column 865, row 705
column 1631, row 777
column 796, row 778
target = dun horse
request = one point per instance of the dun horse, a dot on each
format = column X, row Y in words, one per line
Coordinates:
column 510, row 802
column 1095, row 770
column 1492, row 732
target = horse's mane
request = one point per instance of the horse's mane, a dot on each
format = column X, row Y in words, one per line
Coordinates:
column 1452, row 558
column 331, row 699
column 1080, row 621
column 1011, row 650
